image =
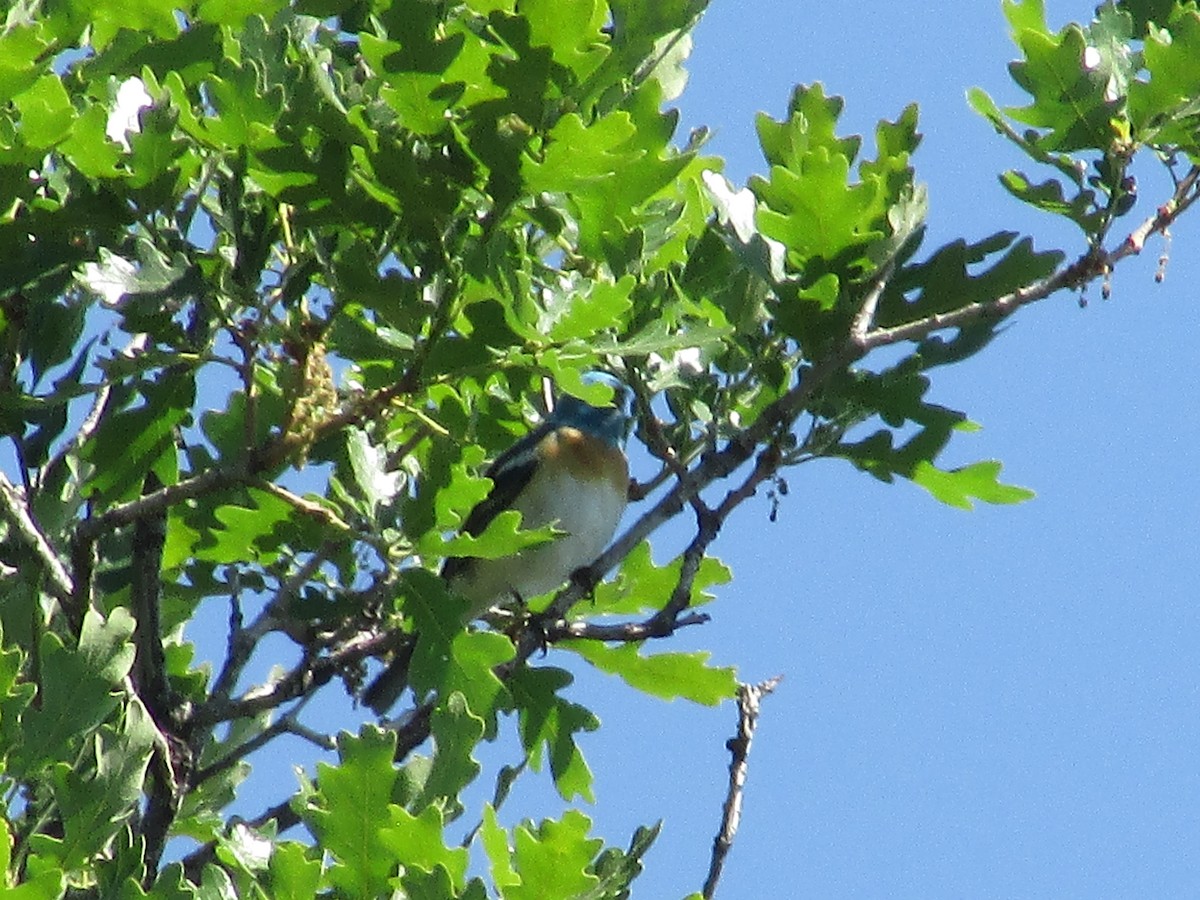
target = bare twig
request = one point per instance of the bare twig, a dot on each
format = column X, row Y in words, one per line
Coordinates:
column 18, row 515
column 288, row 723
column 238, row 648
column 99, row 407
column 865, row 317
column 1184, row 196
column 162, row 499
column 1096, row 263
column 312, row 671
column 623, row 632
column 749, row 698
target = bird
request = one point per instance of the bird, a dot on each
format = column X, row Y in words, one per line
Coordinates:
column 570, row 473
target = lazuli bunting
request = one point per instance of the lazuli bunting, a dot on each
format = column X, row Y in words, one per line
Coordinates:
column 569, row 473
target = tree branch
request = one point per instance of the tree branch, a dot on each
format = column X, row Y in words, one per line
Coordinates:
column 749, row 698
column 865, row 317
column 97, row 411
column 18, row 515
column 150, row 677
column 311, row 672
column 1088, row 267
column 161, row 500
column 1091, row 265
column 288, row 723
column 1184, row 196
column 623, row 632
column 688, row 484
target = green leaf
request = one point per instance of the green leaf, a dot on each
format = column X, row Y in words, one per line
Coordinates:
column 548, row 723
column 79, row 688
column 352, row 799
column 1164, row 107
column 234, row 13
column 420, row 841
column 666, row 675
column 52, row 330
column 1050, row 197
column 617, row 869
column 642, row 586
column 456, row 731
column 228, row 429
column 1143, row 12
column 14, row 698
column 98, row 797
column 640, row 28
column 606, row 170
column 146, row 16
column 569, row 312
column 958, row 487
column 131, row 442
column 836, row 229
column 1069, row 100
column 368, row 462
column 46, row 112
column 554, row 859
column 20, row 48
column 946, row 280
column 47, row 884
column 817, row 213
column 503, row 537
column 659, row 337
column 88, row 148
column 414, row 65
column 257, row 528
column 499, row 853
column 448, row 658
column 292, row 872
column 572, row 31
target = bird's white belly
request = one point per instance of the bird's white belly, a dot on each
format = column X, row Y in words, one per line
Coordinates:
column 586, row 511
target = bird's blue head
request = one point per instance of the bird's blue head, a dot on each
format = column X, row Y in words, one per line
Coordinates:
column 610, row 423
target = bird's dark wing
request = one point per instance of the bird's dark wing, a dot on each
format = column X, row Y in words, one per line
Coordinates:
column 510, row 473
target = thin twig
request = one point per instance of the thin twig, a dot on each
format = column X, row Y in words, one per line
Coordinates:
column 1184, row 196
column 238, row 648
column 749, row 698
column 98, row 409
column 285, row 724
column 311, row 672
column 12, row 504
column 164, row 498
column 1093, row 264
column 623, row 632
column 865, row 317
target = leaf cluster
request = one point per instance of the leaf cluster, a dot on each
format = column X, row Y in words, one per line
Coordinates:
column 277, row 279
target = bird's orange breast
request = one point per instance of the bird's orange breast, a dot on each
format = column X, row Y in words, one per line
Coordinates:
column 585, row 457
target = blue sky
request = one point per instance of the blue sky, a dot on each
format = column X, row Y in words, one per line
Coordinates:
column 997, row 703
